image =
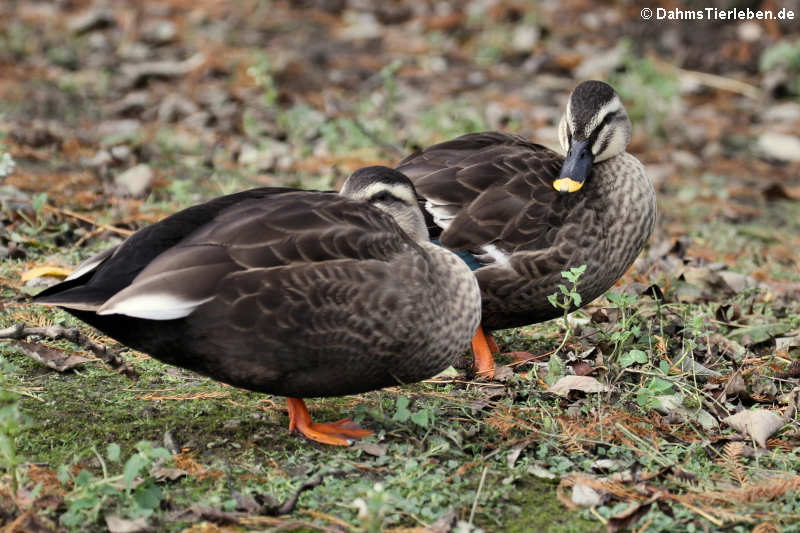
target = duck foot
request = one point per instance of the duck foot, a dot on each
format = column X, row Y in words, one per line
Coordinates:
column 482, row 349
column 340, row 433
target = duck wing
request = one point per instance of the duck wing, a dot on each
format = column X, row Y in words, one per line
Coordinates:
column 102, row 275
column 490, row 189
column 168, row 269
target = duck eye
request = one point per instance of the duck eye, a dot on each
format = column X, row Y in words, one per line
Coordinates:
column 384, row 197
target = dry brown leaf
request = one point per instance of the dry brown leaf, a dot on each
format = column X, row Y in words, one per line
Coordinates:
column 735, row 385
column 370, row 448
column 167, row 474
column 586, row 384
column 783, row 344
column 52, row 357
column 759, row 424
column 767, row 527
column 503, row 373
column 628, row 517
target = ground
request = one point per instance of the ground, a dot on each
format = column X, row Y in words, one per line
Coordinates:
column 681, row 413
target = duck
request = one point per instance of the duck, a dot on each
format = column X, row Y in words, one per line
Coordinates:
column 287, row 292
column 520, row 214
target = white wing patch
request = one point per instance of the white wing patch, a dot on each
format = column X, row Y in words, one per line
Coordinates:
column 443, row 214
column 90, row 264
column 500, row 257
column 153, row 306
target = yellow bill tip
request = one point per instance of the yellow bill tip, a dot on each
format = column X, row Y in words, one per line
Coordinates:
column 567, row 185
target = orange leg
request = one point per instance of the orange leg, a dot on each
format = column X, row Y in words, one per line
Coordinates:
column 339, row 433
column 492, row 343
column 484, row 361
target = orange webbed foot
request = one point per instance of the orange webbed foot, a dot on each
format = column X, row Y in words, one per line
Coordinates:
column 339, row 433
column 482, row 349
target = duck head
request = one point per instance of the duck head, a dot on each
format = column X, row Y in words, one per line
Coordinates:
column 594, row 128
column 390, row 191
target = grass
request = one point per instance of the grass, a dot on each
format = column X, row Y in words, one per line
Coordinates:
column 436, row 441
column 90, row 443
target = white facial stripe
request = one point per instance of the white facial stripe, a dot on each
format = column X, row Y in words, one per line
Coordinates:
column 563, row 138
column 568, row 116
column 158, row 306
column 400, row 191
column 611, row 106
column 616, row 143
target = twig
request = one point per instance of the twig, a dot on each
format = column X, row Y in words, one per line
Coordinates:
column 290, row 503
column 714, row 81
column 20, row 331
column 702, row 513
column 478, row 494
column 597, row 515
column 389, row 147
column 73, row 214
column 719, row 82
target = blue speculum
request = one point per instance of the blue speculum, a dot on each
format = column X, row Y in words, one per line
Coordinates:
column 465, row 256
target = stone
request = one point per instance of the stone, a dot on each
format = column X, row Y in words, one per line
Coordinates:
column 159, row 31
column 113, row 132
column 136, row 180
column 779, row 146
column 784, row 112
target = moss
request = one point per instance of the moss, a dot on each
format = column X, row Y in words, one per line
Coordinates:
column 540, row 510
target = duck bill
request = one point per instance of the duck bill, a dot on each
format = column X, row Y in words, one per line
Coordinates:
column 576, row 168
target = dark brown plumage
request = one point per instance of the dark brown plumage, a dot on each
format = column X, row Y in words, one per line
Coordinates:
column 288, row 292
column 493, row 194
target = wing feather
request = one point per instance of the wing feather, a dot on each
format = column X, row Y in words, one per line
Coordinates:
column 496, row 189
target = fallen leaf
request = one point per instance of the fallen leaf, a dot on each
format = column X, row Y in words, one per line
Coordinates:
column 628, row 517
column 586, row 384
column 540, row 472
column 503, row 373
column 444, row 523
column 608, row 464
column 735, row 385
column 792, row 399
column 246, row 503
column 449, row 372
column 370, row 448
column 585, row 496
column 52, row 357
column 45, row 271
column 758, row 333
column 513, row 455
column 759, row 424
column 116, row 524
column 582, row 368
column 167, row 474
column 522, row 357
column 783, row 344
column 737, row 281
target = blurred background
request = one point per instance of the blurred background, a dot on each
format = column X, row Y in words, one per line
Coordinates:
column 128, row 109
